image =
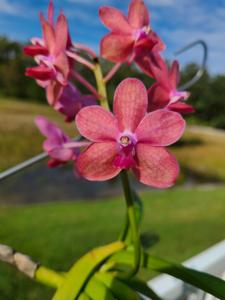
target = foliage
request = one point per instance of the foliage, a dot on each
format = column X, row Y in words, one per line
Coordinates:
column 13, row 83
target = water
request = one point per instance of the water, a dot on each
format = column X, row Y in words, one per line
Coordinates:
column 39, row 184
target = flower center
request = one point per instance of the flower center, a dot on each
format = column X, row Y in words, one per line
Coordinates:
column 125, row 158
column 177, row 96
column 142, row 33
column 125, row 140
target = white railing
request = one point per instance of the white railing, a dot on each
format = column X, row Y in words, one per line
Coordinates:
column 211, row 261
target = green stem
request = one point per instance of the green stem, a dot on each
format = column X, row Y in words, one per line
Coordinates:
column 101, row 85
column 132, row 223
column 48, row 277
column 125, row 230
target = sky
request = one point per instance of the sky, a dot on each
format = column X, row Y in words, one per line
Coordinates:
column 177, row 22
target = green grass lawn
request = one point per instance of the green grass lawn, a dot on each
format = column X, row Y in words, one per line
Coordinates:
column 187, row 221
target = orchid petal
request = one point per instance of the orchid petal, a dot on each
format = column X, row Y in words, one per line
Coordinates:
column 35, row 50
column 61, row 154
column 48, row 34
column 130, row 103
column 96, row 163
column 61, row 34
column 181, row 108
column 150, row 62
column 114, row 20
column 160, row 128
column 158, row 97
column 138, row 14
column 56, row 139
column 52, row 163
column 159, row 45
column 156, row 166
column 50, row 12
column 88, row 100
column 41, row 73
column 62, row 65
column 71, row 102
column 117, row 47
column 53, row 92
column 174, row 75
column 48, row 129
column 97, row 124
column 43, row 84
column 36, row 41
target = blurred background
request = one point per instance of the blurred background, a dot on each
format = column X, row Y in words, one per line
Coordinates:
column 54, row 217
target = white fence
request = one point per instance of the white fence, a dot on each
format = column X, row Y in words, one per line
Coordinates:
column 211, row 261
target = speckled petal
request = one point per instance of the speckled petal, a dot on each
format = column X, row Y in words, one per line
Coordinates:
column 97, row 162
column 156, row 166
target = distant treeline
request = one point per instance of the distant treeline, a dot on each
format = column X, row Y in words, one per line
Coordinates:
column 208, row 94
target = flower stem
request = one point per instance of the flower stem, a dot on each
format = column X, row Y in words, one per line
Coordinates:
column 80, row 60
column 29, row 267
column 112, row 72
column 48, row 277
column 132, row 223
column 101, row 84
column 85, row 83
column 86, row 49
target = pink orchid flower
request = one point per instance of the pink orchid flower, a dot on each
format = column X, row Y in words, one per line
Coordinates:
column 71, row 101
column 164, row 93
column 130, row 138
column 50, row 52
column 129, row 37
column 56, row 144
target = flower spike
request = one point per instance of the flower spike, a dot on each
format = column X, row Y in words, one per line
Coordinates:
column 54, row 65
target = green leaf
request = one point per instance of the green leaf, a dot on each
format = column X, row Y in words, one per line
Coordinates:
column 143, row 288
column 76, row 278
column 119, row 288
column 206, row 282
column 98, row 290
column 84, row 296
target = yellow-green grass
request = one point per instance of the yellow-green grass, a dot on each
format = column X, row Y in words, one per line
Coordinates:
column 203, row 152
column 187, row 222
column 19, row 137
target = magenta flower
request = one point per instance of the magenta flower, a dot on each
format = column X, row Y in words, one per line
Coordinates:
column 129, row 139
column 71, row 101
column 50, row 53
column 56, row 143
column 129, row 37
column 164, row 93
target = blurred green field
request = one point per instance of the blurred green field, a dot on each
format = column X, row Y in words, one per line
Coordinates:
column 187, row 221
column 201, row 152
column 19, row 137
